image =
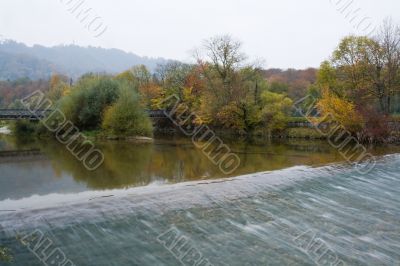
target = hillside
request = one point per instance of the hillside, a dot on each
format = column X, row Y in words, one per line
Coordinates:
column 291, row 81
column 18, row 60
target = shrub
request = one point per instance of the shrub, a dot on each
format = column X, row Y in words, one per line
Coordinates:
column 87, row 101
column 276, row 108
column 376, row 125
column 126, row 117
column 24, row 127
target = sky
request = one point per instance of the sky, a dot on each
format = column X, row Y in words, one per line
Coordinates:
column 283, row 34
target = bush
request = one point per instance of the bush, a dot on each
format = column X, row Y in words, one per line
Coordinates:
column 376, row 127
column 87, row 101
column 276, row 108
column 126, row 117
column 102, row 102
column 24, row 127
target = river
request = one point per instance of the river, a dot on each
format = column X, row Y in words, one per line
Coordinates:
column 289, row 203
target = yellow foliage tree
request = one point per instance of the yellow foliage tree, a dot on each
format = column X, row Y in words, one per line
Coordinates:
column 58, row 87
column 342, row 111
column 150, row 95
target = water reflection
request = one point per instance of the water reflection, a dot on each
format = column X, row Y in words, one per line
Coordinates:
column 127, row 164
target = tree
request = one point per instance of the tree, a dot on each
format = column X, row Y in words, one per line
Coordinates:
column 342, row 111
column 87, row 101
column 231, row 89
column 141, row 74
column 388, row 76
column 58, row 87
column 292, row 82
column 276, row 109
column 225, row 55
column 223, row 58
column 241, row 117
column 355, row 63
column 172, row 77
column 128, row 77
column 126, row 117
column 368, row 69
column 151, row 95
column 279, row 87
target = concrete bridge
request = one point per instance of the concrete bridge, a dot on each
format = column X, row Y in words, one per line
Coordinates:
column 23, row 114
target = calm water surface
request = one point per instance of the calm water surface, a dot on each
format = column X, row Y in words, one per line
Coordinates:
column 43, row 167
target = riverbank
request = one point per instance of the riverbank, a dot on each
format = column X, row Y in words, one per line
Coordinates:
column 296, row 128
column 302, row 131
column 103, row 136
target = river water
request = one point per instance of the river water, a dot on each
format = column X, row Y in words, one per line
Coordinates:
column 289, row 203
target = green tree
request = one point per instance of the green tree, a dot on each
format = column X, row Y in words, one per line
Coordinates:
column 85, row 105
column 126, row 117
column 276, row 110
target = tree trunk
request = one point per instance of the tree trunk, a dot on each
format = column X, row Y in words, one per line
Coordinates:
column 382, row 103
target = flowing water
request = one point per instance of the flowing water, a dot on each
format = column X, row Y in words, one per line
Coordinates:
column 289, row 203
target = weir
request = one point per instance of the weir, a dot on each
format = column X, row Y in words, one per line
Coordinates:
column 335, row 208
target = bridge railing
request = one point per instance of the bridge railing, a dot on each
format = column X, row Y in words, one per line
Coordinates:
column 15, row 114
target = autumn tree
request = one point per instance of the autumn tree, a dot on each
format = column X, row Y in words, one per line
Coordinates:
column 387, row 76
column 141, row 74
column 223, row 57
column 354, row 61
column 59, row 87
column 341, row 111
column 368, row 68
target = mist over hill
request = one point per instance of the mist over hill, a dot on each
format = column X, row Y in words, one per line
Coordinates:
column 18, row 60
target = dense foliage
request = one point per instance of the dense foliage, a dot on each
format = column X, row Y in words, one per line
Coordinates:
column 85, row 104
column 104, row 102
column 126, row 117
column 11, row 92
column 359, row 87
column 222, row 89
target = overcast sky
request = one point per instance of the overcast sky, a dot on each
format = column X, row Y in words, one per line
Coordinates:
column 285, row 33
